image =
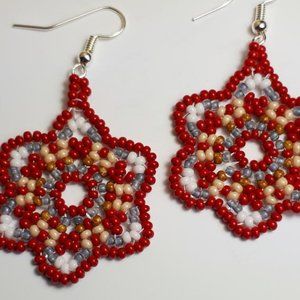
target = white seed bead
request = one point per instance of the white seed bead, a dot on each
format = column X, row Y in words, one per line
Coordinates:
column 250, row 83
column 139, row 169
column 249, row 221
column 185, row 180
column 136, row 226
column 59, row 262
column 16, row 163
column 15, row 154
column 126, row 237
column 256, row 217
column 191, row 187
column 73, row 265
column 241, row 216
column 192, row 118
column 72, row 125
column 85, row 127
column 265, row 83
column 80, row 121
column 141, row 160
column 257, row 78
column 188, row 172
column 199, row 108
column 191, row 109
column 6, row 219
column 65, row 268
column 132, row 156
column 23, row 152
column 135, row 235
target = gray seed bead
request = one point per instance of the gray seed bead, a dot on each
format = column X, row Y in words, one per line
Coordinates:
column 295, row 195
column 229, row 171
column 264, row 214
column 228, row 142
column 110, row 241
column 52, row 211
column 102, row 188
column 243, row 87
column 91, row 131
column 134, row 211
column 191, row 126
column 48, row 251
column 82, row 169
column 11, row 203
column 246, row 172
column 18, row 232
column 5, row 210
column 14, row 170
column 296, row 111
column 279, row 145
column 140, row 176
column 226, row 156
column 49, row 185
column 133, row 219
column 68, row 132
column 236, row 132
column 259, row 175
column 98, row 177
column 125, row 154
column 250, row 125
column 52, row 258
column 118, row 151
column 96, row 138
column 29, row 147
column 261, row 126
column 273, row 167
column 25, row 235
column 235, row 206
column 100, row 200
column 86, row 253
column 195, row 133
column 268, row 208
column 92, row 212
column 214, row 105
column 204, row 194
column 71, row 168
column 62, row 136
column 119, row 241
column 197, row 193
column 274, row 96
column 239, row 94
column 187, row 164
column 78, row 257
column 280, row 160
column 206, row 104
column 16, row 177
column 136, row 184
column 274, row 136
column 77, row 220
column 66, row 221
column 56, row 174
column 36, row 147
column 46, row 200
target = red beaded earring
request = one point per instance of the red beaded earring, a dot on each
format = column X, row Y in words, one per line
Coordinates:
column 35, row 168
column 211, row 170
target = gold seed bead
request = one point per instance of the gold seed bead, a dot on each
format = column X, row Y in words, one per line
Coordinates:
column 68, row 160
column 40, row 182
column 262, row 184
column 230, row 126
column 288, row 145
column 107, row 205
column 51, row 166
column 288, row 163
column 87, row 161
column 246, row 117
column 45, row 215
column 222, row 175
column 264, row 119
column 79, row 228
column 218, row 158
column 278, row 173
column 102, row 171
column 96, row 220
column 110, row 186
column 61, row 228
column 279, row 129
column 37, row 201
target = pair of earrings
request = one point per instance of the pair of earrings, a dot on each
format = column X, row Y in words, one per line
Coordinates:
column 210, row 170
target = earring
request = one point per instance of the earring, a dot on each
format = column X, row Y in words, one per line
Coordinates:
column 211, row 170
column 35, row 168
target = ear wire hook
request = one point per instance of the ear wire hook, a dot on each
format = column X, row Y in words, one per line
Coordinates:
column 64, row 22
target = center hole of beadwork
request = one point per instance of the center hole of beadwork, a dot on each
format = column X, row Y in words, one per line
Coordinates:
column 74, row 194
column 253, row 151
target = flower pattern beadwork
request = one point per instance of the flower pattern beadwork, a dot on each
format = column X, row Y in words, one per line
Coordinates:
column 212, row 169
column 112, row 220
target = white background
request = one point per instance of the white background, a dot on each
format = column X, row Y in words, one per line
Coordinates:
column 136, row 80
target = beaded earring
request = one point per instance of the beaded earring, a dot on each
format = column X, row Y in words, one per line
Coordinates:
column 211, row 170
column 35, row 168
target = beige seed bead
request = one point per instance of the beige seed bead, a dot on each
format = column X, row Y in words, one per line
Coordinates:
column 289, row 115
column 221, row 111
column 237, row 102
column 128, row 189
column 42, row 225
column 201, row 155
column 54, row 234
column 202, row 137
column 50, row 158
column 269, row 190
column 239, row 112
column 29, row 198
column 104, row 236
column 34, row 230
column 296, row 161
column 31, row 185
column 62, row 154
column 209, row 154
column 211, row 139
column 105, row 163
column 119, row 189
column 296, row 148
column 273, row 105
column 226, row 119
column 44, row 150
column 281, row 120
column 62, row 144
column 117, row 204
column 50, row 243
column 288, row 189
column 98, row 229
column 271, row 200
column 87, row 244
column 97, row 146
column 281, row 183
column 23, row 181
column 213, row 190
column 126, row 206
column 85, row 234
column 111, row 157
column 271, row 114
column 20, row 199
column 94, row 155
column 237, row 187
column 219, row 184
column 233, row 196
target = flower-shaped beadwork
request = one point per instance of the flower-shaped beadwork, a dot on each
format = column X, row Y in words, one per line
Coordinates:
column 212, row 169
column 111, row 221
